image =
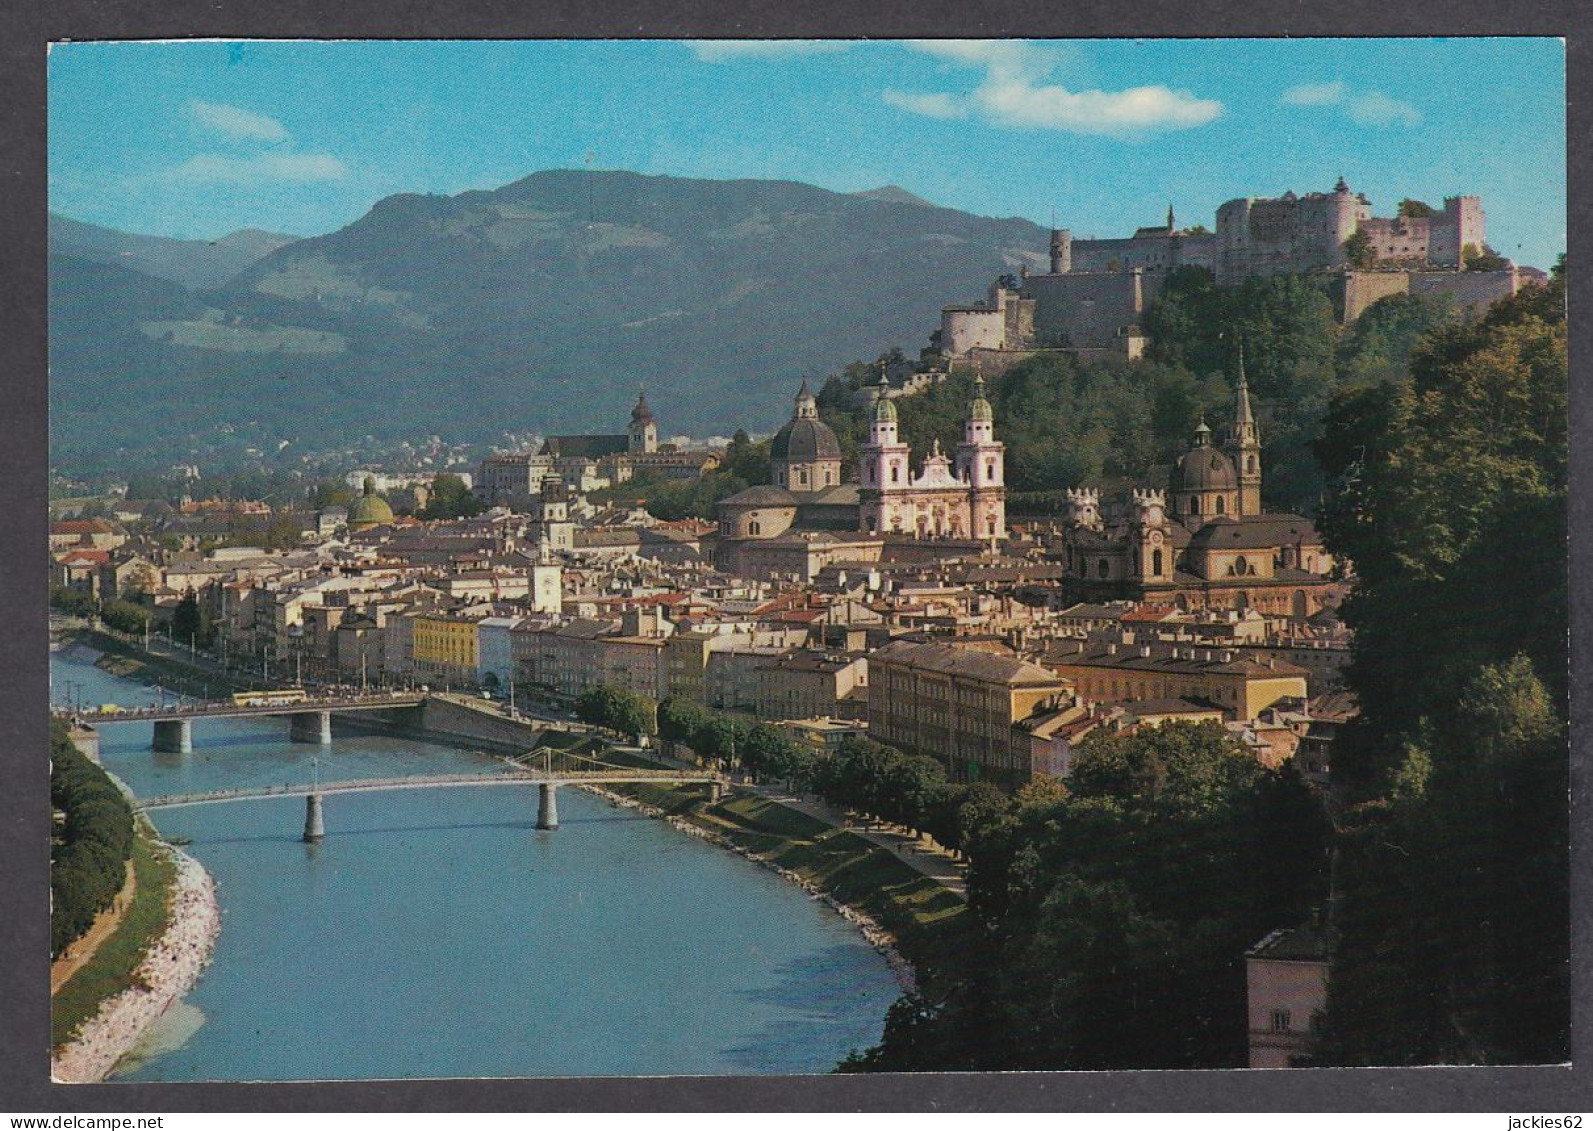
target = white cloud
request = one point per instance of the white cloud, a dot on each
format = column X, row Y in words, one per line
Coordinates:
column 1374, row 108
column 1012, row 94
column 244, row 125
column 1019, row 103
column 262, row 168
column 943, row 106
column 1364, row 108
column 1316, row 94
column 731, row 50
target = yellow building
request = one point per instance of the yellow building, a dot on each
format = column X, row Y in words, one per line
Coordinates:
column 960, row 706
column 1124, row 671
column 446, row 644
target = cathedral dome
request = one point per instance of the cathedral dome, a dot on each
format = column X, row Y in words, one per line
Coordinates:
column 804, row 441
column 1204, row 468
column 369, row 510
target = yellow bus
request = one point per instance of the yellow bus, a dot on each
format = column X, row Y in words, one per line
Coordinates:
column 282, row 698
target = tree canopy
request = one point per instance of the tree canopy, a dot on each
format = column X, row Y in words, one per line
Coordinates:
column 1450, row 495
column 1129, row 892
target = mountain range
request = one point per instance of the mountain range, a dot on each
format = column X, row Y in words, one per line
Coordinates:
column 541, row 305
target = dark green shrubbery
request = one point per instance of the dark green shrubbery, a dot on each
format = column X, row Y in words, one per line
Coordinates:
column 92, row 842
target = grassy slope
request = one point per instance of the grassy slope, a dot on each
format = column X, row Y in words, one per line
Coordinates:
column 111, row 970
column 927, row 920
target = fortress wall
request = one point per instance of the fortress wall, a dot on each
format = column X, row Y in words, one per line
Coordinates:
column 1090, row 308
column 1473, row 291
column 1354, row 291
column 1121, row 255
column 962, row 330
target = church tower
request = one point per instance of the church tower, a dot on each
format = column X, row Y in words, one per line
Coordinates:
column 981, row 463
column 1244, row 446
column 550, row 515
column 643, row 431
column 884, row 468
column 1151, row 549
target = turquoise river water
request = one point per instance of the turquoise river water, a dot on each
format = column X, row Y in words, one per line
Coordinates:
column 437, row 933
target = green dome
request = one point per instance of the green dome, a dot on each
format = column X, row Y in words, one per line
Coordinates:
column 369, row 510
column 979, row 408
column 884, row 407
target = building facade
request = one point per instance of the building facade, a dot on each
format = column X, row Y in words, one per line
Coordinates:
column 962, row 707
column 1200, row 539
column 965, row 498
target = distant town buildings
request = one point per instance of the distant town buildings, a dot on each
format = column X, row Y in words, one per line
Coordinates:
column 589, row 462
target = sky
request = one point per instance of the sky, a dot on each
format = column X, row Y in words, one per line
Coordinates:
column 198, row 139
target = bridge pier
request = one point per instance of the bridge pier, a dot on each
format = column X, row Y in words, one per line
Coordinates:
column 312, row 726
column 174, row 736
column 716, row 792
column 314, row 824
column 548, row 806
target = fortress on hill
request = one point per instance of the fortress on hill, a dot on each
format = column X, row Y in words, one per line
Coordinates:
column 1094, row 296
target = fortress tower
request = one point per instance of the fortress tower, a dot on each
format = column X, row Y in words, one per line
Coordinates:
column 1061, row 251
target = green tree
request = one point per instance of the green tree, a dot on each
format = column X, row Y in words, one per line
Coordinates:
column 678, row 719
column 1358, row 250
column 450, row 498
column 186, row 622
column 1453, row 861
column 333, row 493
column 125, row 616
column 1483, row 259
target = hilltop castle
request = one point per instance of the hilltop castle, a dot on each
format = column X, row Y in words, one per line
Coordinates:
column 1095, row 295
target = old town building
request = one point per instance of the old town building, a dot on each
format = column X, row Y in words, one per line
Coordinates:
column 1199, row 540
column 961, row 706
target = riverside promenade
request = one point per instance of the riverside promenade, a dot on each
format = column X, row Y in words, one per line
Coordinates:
column 919, row 853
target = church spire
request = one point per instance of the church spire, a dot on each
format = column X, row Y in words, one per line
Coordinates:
column 807, row 406
column 1242, row 413
column 1244, row 444
column 979, row 407
column 1170, row 223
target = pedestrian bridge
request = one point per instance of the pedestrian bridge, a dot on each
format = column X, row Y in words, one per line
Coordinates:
column 547, row 779
column 436, row 781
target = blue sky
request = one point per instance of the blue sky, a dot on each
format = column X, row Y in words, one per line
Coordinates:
column 199, row 139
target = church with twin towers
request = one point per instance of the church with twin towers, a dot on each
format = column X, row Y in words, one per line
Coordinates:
column 807, row 517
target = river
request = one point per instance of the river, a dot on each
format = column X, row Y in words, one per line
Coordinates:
column 437, row 933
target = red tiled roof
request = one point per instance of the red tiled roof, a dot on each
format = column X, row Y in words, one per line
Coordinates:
column 1148, row 614
column 85, row 557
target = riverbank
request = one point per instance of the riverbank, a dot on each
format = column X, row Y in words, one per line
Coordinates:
column 168, row 969
column 82, row 952
column 179, row 673
column 142, row 961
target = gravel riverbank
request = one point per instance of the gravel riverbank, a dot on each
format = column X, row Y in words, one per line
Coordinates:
column 170, row 968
